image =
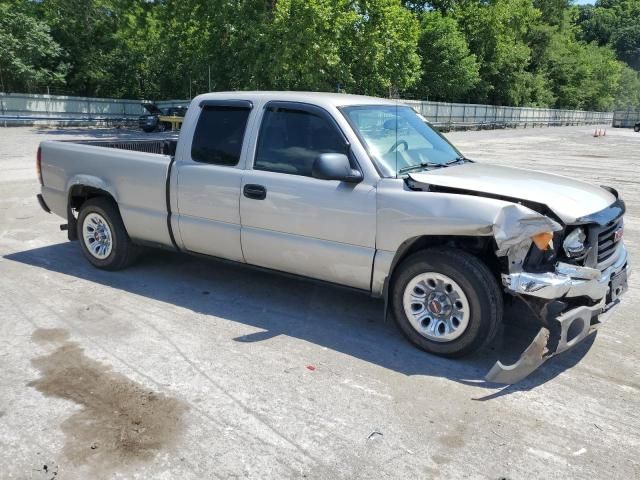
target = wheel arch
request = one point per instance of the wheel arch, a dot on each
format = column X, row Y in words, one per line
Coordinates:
column 78, row 193
column 481, row 246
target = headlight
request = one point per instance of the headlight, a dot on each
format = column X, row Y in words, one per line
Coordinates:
column 574, row 243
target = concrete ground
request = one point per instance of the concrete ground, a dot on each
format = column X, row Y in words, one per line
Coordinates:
column 183, row 367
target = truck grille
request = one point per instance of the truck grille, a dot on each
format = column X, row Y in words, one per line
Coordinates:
column 607, row 241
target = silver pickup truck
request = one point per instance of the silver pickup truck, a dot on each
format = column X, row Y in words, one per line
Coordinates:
column 360, row 192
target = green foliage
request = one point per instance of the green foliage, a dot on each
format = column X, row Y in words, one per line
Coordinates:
column 583, row 76
column 504, row 52
column 552, row 12
column 615, row 23
column 496, row 32
column 28, row 54
column 380, row 47
column 628, row 92
column 449, row 69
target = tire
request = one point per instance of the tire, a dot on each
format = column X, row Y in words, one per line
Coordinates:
column 148, row 129
column 636, row 128
column 102, row 217
column 474, row 301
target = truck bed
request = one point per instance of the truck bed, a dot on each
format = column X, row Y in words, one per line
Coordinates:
column 158, row 146
column 133, row 172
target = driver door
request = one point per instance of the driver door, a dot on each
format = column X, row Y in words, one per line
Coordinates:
column 292, row 222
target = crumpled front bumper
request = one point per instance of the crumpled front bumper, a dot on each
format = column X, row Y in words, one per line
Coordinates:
column 567, row 280
column 572, row 326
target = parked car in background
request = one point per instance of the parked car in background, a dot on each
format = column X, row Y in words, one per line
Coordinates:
column 160, row 119
column 361, row 192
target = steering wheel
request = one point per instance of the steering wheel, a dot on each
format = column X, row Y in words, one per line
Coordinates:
column 397, row 144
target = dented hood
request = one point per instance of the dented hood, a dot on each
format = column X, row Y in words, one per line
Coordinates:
column 568, row 198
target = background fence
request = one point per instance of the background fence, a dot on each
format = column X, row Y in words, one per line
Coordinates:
column 626, row 118
column 463, row 115
column 28, row 109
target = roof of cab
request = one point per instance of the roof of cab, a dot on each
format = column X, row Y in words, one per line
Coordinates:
column 324, row 99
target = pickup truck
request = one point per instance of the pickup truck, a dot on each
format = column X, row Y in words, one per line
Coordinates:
column 360, row 192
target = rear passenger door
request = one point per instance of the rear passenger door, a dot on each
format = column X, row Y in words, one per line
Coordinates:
column 293, row 222
column 209, row 178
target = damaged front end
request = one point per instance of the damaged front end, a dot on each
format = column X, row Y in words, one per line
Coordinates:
column 568, row 265
column 572, row 284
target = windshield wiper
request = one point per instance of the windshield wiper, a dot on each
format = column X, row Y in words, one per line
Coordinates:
column 457, row 161
column 420, row 166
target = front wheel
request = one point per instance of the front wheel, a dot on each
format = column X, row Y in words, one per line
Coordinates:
column 446, row 301
column 636, row 128
column 103, row 238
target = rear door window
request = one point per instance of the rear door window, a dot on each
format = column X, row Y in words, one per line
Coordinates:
column 219, row 135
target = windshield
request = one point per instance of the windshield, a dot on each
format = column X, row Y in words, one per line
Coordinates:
column 398, row 139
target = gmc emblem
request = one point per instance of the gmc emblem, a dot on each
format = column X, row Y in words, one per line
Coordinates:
column 618, row 234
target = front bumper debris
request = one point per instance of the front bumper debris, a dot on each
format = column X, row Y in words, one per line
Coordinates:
column 566, row 281
column 571, row 327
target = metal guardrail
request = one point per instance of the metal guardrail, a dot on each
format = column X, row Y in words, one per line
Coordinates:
column 626, row 118
column 462, row 115
column 27, row 109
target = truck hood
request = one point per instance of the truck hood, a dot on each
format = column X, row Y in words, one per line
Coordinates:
column 152, row 108
column 569, row 199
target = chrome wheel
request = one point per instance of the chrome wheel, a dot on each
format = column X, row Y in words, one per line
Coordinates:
column 436, row 306
column 97, row 236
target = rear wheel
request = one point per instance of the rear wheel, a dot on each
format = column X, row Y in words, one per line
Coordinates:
column 446, row 301
column 636, row 128
column 103, row 238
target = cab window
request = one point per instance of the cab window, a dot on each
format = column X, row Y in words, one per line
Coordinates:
column 290, row 140
column 219, row 135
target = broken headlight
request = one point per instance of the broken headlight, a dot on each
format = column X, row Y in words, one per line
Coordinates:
column 574, row 243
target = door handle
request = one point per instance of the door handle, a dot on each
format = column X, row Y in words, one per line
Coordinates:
column 255, row 192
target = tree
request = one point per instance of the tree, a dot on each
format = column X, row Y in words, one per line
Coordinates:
column 304, row 45
column 449, row 69
column 496, row 32
column 504, row 52
column 381, row 48
column 583, row 76
column 615, row 23
column 627, row 95
column 626, row 42
column 552, row 12
column 29, row 56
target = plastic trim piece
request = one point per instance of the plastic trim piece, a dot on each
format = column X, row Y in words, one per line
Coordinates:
column 245, row 104
column 43, row 204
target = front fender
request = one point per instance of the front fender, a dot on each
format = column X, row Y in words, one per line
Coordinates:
column 404, row 215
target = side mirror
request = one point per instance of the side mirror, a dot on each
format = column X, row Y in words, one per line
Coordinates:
column 335, row 166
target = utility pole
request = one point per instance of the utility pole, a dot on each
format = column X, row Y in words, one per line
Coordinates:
column 209, row 77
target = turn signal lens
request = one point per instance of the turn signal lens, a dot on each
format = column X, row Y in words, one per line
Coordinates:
column 543, row 240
